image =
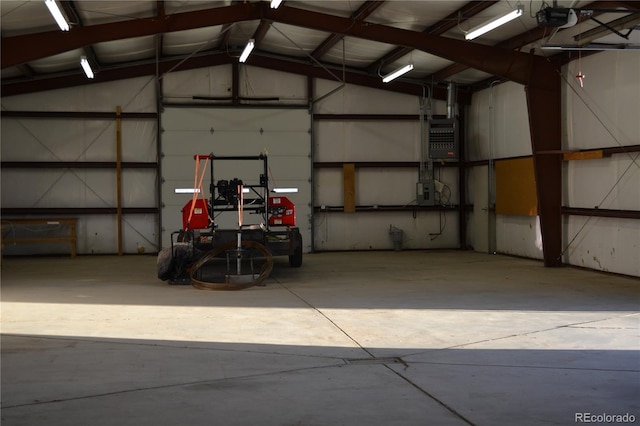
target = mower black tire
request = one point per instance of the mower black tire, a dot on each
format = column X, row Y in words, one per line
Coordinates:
column 295, row 259
column 165, row 259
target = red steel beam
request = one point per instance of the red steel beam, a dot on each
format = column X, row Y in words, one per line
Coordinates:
column 54, row 42
column 545, row 127
column 218, row 58
column 362, row 13
column 468, row 10
column 521, row 40
column 509, row 64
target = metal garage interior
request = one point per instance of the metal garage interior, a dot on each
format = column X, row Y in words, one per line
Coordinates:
column 488, row 279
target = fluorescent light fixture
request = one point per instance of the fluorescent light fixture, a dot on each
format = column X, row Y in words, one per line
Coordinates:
column 86, row 67
column 275, row 3
column 57, row 14
column 247, row 50
column 187, row 190
column 285, row 190
column 494, row 23
column 592, row 46
column 397, row 73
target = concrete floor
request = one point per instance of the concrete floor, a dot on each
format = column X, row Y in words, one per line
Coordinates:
column 377, row 338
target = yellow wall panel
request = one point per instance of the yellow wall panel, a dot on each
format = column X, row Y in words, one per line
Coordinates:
column 516, row 187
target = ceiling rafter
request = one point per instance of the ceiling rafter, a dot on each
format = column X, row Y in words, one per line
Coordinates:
column 165, row 65
column 161, row 14
column 261, row 31
column 506, row 63
column 465, row 12
column 71, row 10
column 471, row 54
column 362, row 13
column 521, row 40
column 26, row 70
column 226, row 31
column 55, row 42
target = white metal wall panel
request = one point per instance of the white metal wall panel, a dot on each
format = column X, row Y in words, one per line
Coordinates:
column 617, row 186
column 519, row 236
column 376, row 186
column 499, row 128
column 132, row 95
column 367, row 140
column 138, row 234
column 478, row 219
column 601, row 114
column 370, row 231
column 181, row 86
column 499, row 123
column 479, row 130
column 283, row 133
column 352, row 99
column 385, row 141
column 604, row 112
column 607, row 244
column 78, row 139
column 46, row 139
column 266, row 83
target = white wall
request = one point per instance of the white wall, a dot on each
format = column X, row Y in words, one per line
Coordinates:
column 499, row 128
column 604, row 113
column 346, row 141
column 49, row 139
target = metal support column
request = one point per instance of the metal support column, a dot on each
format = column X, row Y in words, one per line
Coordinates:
column 544, row 105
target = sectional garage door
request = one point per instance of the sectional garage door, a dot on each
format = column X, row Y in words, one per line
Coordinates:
column 284, row 134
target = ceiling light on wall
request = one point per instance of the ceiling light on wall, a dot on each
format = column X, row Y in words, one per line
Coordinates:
column 275, row 3
column 247, row 50
column 494, row 23
column 397, row 73
column 57, row 14
column 86, row 67
column 285, row 190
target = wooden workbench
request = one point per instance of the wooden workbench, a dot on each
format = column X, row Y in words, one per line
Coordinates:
column 10, row 226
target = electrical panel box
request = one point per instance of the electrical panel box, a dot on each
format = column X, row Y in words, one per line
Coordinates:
column 443, row 139
column 425, row 193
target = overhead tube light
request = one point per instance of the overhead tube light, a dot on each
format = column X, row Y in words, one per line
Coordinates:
column 247, row 50
column 275, row 3
column 494, row 23
column 397, row 73
column 57, row 14
column 86, row 67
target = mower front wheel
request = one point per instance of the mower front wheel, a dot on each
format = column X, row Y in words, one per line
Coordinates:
column 295, row 258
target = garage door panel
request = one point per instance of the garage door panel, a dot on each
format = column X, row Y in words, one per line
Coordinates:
column 282, row 133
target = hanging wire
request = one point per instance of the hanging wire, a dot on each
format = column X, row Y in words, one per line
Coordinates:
column 307, row 54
